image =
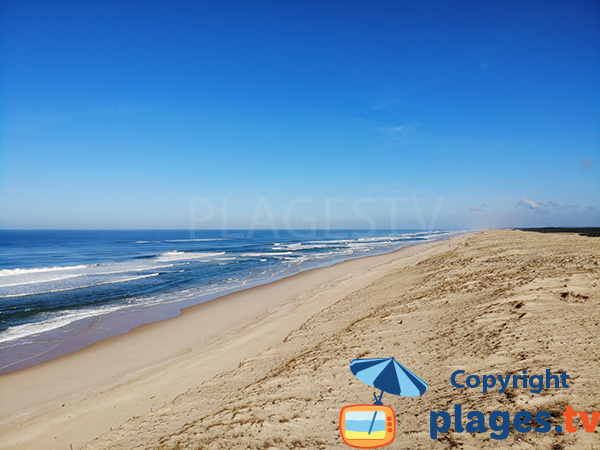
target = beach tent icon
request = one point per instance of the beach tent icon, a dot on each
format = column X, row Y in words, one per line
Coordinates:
column 372, row 426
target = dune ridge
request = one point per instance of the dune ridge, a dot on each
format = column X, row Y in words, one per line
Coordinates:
column 493, row 302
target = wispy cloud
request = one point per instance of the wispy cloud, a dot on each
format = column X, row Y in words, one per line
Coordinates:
column 529, row 204
column 479, row 208
column 385, row 103
column 556, row 205
column 542, row 208
column 396, row 129
column 392, row 130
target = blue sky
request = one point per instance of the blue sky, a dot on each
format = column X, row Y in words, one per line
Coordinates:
column 170, row 114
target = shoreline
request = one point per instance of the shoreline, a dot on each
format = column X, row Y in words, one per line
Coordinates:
column 88, row 331
column 124, row 373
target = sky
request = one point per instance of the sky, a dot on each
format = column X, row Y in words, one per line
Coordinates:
column 300, row 114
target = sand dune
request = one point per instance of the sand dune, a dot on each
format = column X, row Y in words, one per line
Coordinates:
column 495, row 302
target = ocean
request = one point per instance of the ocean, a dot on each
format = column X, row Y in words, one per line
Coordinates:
column 62, row 290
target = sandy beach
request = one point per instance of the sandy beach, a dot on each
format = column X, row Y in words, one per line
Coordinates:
column 269, row 367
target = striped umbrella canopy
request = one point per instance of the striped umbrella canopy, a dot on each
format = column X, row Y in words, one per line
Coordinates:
column 389, row 376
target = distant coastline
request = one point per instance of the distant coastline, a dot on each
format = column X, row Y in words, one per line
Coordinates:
column 585, row 231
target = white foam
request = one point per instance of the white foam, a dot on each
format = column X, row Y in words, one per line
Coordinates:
column 196, row 240
column 12, row 272
column 41, row 280
column 259, row 255
column 291, row 246
column 310, row 247
column 65, row 318
column 139, row 269
column 72, row 288
column 92, row 270
column 334, row 241
column 182, row 256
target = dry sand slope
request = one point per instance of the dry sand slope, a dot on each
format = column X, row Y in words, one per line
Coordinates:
column 495, row 302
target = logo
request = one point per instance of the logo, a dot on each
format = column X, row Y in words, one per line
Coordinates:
column 373, row 426
column 500, row 423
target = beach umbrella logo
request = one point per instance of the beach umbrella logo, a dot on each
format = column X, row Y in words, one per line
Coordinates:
column 373, row 426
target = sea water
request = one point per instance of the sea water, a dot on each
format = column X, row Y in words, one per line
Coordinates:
column 62, row 287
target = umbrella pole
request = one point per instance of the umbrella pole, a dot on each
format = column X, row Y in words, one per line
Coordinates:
column 377, row 402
